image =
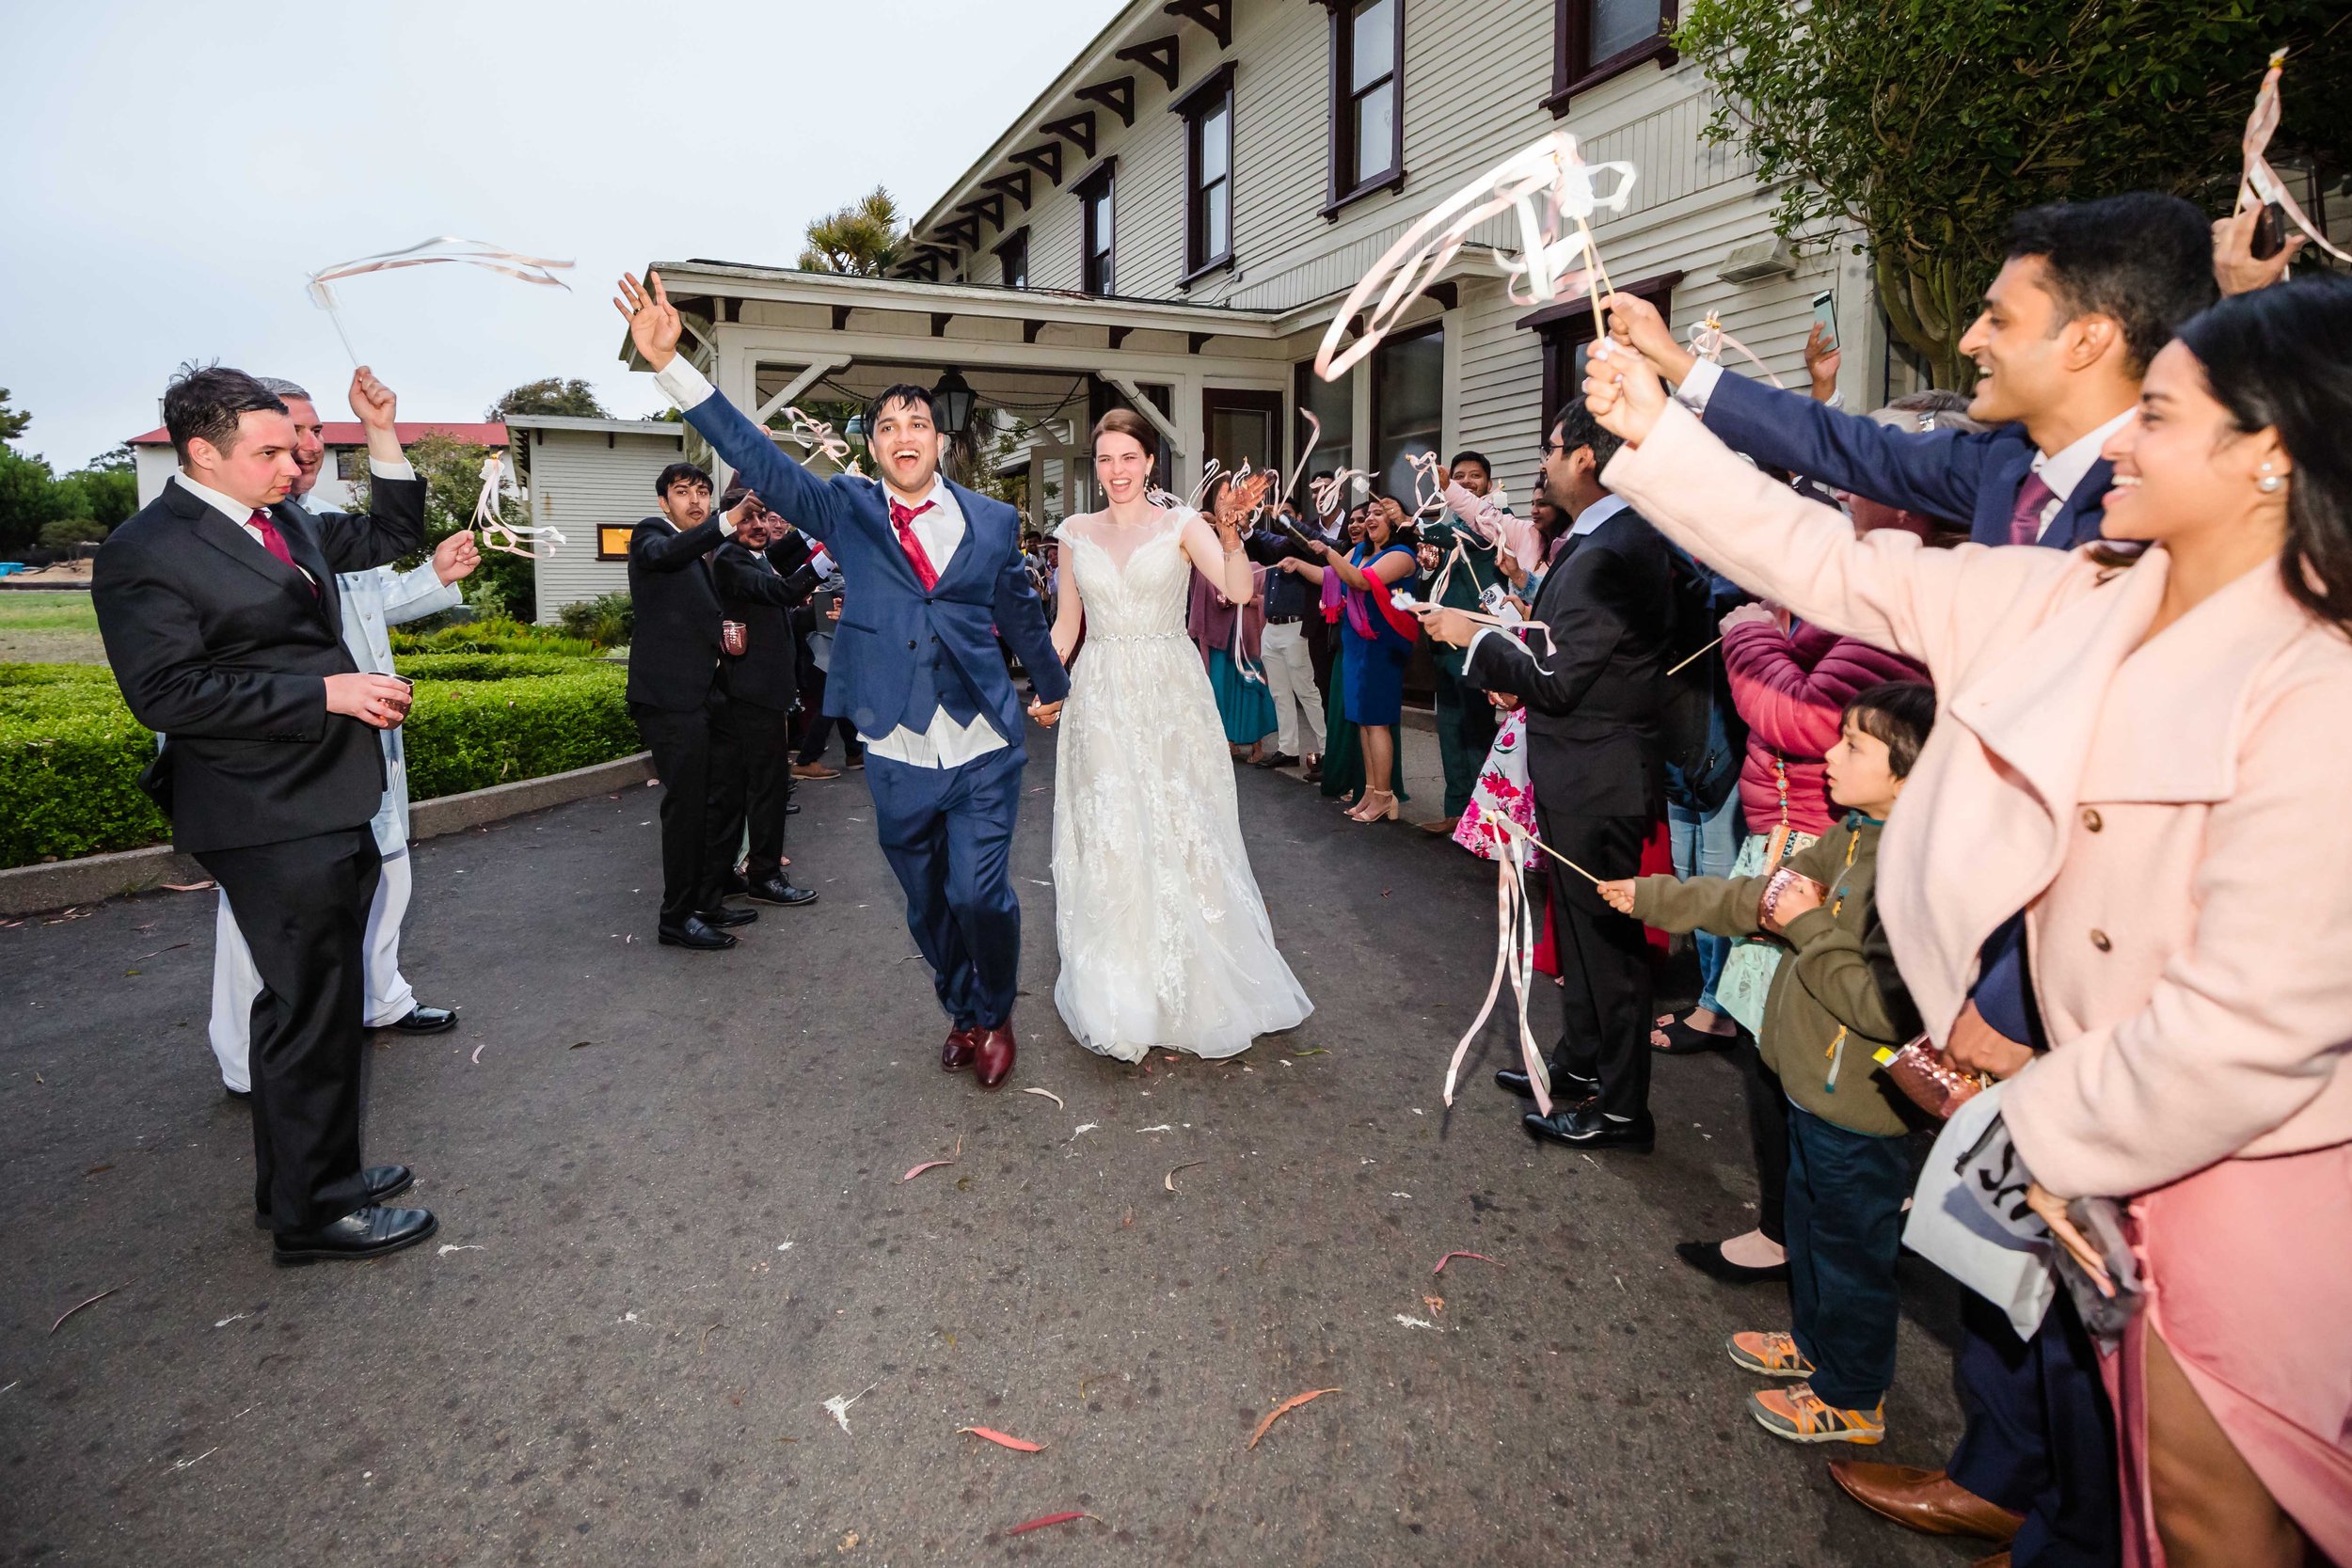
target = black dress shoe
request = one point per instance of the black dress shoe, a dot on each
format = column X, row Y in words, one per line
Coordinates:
column 426, row 1020
column 369, row 1232
column 791, row 808
column 696, row 935
column 383, row 1181
column 779, row 890
column 735, row 885
column 1585, row 1127
column 1280, row 759
column 1708, row 1258
column 723, row 917
column 1567, row 1087
column 237, row 1094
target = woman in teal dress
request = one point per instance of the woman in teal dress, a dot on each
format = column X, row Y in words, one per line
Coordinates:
column 1375, row 640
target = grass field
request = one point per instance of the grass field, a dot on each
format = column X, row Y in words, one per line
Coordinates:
column 37, row 627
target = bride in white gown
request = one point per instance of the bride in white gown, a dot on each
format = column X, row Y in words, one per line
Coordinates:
column 1165, row 940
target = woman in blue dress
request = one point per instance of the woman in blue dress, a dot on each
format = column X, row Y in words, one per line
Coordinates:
column 1377, row 639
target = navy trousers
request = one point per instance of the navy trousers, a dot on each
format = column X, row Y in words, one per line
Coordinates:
column 1845, row 1202
column 2041, row 1438
column 947, row 833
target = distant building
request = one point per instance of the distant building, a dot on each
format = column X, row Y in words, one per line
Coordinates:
column 593, row 479
column 346, row 456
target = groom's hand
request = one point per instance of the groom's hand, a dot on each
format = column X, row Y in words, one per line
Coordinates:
column 1045, row 712
column 653, row 321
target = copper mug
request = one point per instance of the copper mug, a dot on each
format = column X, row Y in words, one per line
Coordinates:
column 734, row 635
column 1776, row 887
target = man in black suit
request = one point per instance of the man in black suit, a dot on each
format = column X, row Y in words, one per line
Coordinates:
column 222, row 622
column 758, row 790
column 1593, row 694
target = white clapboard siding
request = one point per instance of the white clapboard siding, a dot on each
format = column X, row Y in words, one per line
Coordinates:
column 583, row 479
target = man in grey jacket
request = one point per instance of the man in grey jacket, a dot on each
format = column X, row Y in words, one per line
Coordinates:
column 372, row 601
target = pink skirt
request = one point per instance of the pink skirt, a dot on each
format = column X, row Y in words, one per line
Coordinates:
column 2249, row 1271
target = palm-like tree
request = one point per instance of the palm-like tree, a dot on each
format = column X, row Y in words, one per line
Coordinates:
column 863, row 239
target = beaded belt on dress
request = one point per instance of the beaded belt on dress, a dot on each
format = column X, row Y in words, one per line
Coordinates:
column 1136, row 636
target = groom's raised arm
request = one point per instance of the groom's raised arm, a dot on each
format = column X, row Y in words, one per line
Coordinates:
column 813, row 506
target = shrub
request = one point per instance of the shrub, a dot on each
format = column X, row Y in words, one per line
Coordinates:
column 606, row 620
column 71, row 753
column 493, row 635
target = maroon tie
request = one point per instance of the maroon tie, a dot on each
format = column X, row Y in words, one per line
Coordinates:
column 2025, row 523
column 902, row 518
column 274, row 543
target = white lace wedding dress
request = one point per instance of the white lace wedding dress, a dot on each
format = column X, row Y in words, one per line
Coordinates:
column 1165, row 940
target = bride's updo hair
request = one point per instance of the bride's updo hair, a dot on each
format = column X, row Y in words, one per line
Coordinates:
column 1126, row 421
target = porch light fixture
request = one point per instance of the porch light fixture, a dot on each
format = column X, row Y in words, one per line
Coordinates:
column 954, row 397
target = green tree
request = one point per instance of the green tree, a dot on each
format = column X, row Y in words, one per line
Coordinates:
column 452, row 470
column 13, row 420
column 863, row 239
column 105, row 496
column 1925, row 124
column 573, row 398
column 29, row 500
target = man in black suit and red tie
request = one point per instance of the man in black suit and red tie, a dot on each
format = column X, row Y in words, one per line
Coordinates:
column 222, row 620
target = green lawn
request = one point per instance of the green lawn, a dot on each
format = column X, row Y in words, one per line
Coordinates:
column 39, row 627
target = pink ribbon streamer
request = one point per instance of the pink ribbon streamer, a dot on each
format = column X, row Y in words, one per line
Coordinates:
column 1708, row 339
column 441, row 249
column 2260, row 183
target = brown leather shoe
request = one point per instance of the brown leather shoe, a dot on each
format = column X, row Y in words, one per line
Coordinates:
column 957, row 1053
column 1999, row 1559
column 1928, row 1501
column 991, row 1062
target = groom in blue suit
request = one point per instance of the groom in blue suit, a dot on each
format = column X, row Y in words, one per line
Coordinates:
column 933, row 574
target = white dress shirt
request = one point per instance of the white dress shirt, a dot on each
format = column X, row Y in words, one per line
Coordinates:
column 1587, row 521
column 940, row 530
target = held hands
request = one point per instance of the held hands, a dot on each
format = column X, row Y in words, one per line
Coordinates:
column 1622, row 391
column 380, row 701
column 653, row 321
column 456, row 557
column 1975, row 1046
column 1045, row 712
column 1618, row 894
column 373, row 402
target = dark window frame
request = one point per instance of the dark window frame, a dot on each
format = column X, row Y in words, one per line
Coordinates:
column 1247, row 400
column 603, row 531
column 1573, row 69
column 1569, row 326
column 1341, row 189
column 1098, row 271
column 1015, row 243
column 1213, row 92
column 1372, row 365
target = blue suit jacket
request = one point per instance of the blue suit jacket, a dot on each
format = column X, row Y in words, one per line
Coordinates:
column 896, row 644
column 1943, row 473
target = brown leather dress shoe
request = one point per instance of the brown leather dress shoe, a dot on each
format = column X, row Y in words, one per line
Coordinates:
column 991, row 1062
column 957, row 1053
column 1999, row 1559
column 1928, row 1501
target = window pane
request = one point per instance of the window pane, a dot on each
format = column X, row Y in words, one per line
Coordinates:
column 1376, row 129
column 1408, row 404
column 1217, row 200
column 1098, row 220
column 1373, row 44
column 1621, row 24
column 1217, row 144
column 1334, row 404
column 1236, row 434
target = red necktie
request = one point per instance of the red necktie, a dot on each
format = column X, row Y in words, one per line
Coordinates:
column 902, row 518
column 274, row 543
column 2025, row 523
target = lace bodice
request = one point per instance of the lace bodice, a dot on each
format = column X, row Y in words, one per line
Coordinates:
column 1135, row 580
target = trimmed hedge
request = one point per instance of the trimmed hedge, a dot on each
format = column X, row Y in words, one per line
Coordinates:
column 71, row 753
column 493, row 636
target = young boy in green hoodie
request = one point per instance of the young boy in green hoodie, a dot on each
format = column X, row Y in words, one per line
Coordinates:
column 1824, row 1019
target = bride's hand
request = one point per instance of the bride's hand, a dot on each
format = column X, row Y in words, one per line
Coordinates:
column 1045, row 712
column 1622, row 391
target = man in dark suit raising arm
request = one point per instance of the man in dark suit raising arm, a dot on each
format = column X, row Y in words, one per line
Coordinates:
column 222, row 620
column 1593, row 693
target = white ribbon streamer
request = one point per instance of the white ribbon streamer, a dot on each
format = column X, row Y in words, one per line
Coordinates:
column 1515, row 956
column 2260, row 183
column 444, row 247
column 531, row 544
column 1708, row 339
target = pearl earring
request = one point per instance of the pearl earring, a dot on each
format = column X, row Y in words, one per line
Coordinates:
column 2269, row 483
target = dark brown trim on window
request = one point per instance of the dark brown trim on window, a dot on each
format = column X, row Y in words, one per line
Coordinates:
column 1214, row 92
column 1269, row 403
column 1341, row 186
column 613, row 541
column 1011, row 248
column 1569, row 326
column 1573, row 69
column 1098, row 270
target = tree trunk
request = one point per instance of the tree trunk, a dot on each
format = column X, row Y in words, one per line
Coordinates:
column 1929, row 304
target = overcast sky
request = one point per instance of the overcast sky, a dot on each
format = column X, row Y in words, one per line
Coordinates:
column 177, row 169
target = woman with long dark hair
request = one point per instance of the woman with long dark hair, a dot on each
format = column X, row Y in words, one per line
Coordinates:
column 2145, row 748
column 1375, row 640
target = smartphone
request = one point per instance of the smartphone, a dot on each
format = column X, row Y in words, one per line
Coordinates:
column 2270, row 232
column 1826, row 317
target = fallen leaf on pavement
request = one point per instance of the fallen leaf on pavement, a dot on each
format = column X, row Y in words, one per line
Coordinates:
column 1049, row 1519
column 933, row 1164
column 1451, row 1256
column 189, row 887
column 79, row 1305
column 476, row 1053
column 1004, row 1440
column 1435, row 1304
column 1046, row 1093
column 1285, row 1408
column 1169, row 1180
column 1317, row 1051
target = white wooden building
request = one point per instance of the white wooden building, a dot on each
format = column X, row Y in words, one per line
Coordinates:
column 1174, row 221
column 593, row 479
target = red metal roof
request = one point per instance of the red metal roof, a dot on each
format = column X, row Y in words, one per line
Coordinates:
column 349, row 433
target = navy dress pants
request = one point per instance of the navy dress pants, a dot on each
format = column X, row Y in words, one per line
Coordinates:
column 2041, row 1437
column 947, row 833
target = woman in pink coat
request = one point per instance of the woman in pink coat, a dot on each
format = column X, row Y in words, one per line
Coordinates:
column 2150, row 758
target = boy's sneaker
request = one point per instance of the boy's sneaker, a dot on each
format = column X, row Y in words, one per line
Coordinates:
column 1798, row 1415
column 1769, row 1356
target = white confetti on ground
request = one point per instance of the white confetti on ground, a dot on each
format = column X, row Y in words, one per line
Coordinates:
column 447, row 1247
column 1164, row 1126
column 1417, row 1323
column 223, row 1323
column 838, row 1407
column 785, row 1248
